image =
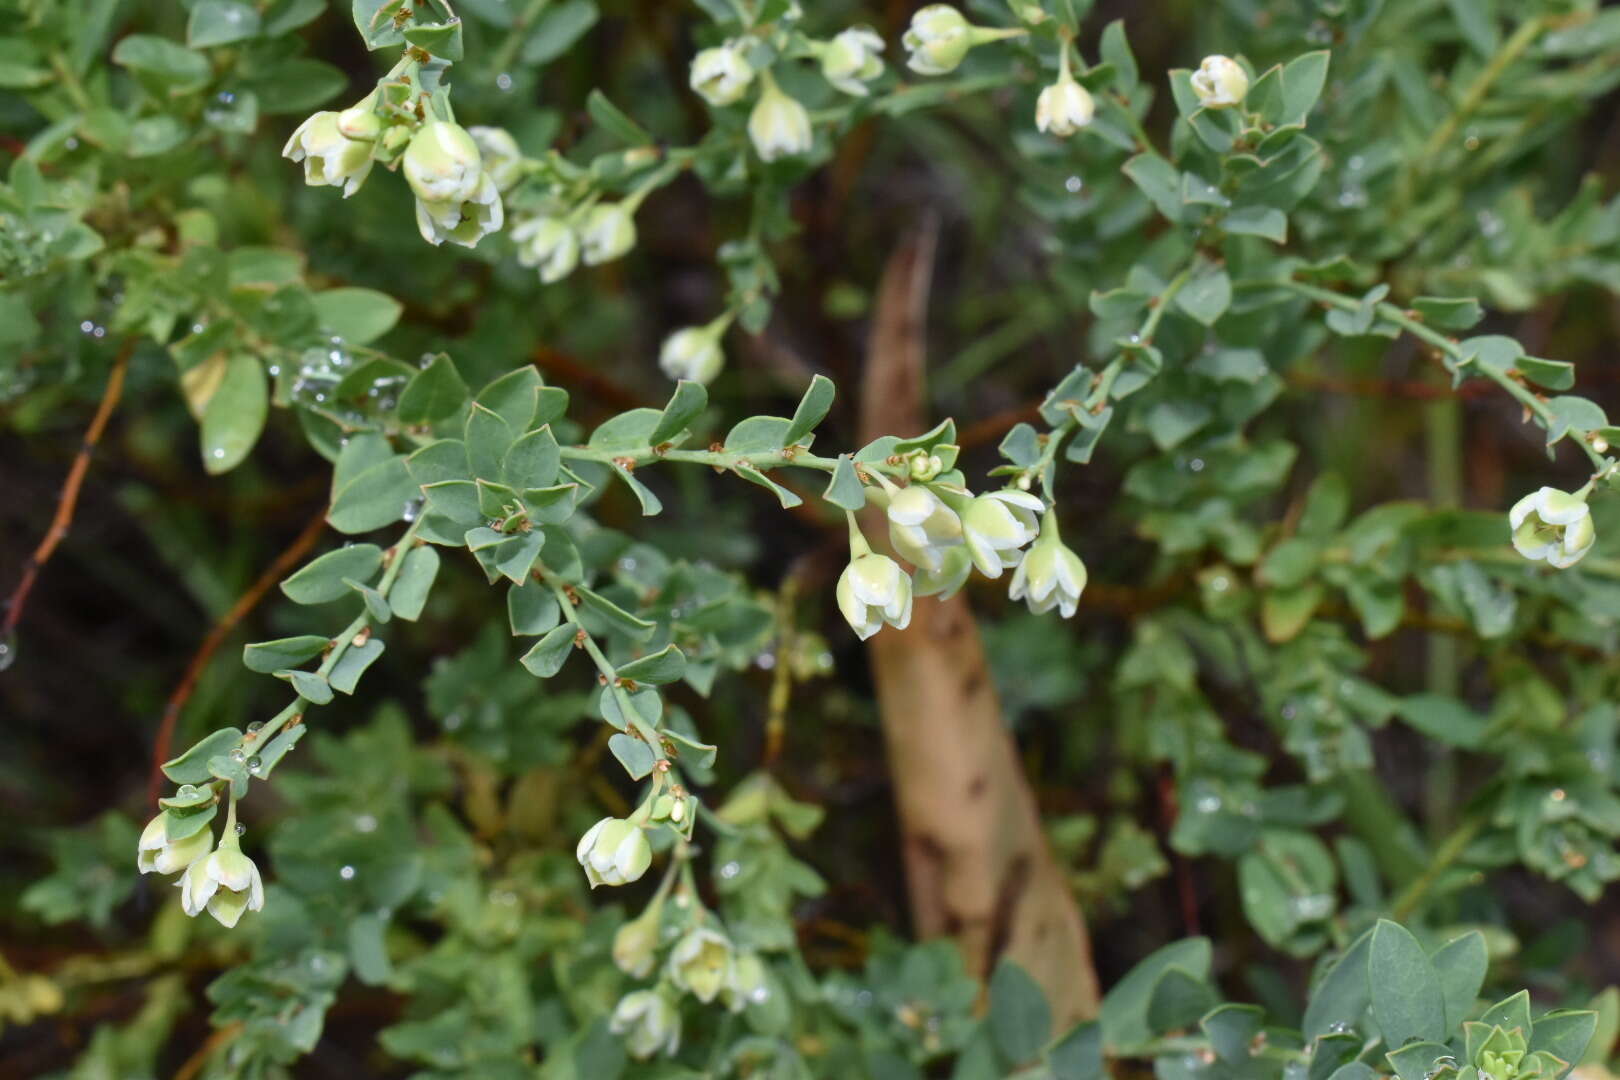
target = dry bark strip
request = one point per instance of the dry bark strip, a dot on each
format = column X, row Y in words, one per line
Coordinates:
column 977, row 863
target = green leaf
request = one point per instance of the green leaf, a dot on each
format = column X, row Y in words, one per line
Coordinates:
column 235, row 414
column 1448, row 312
column 786, row 498
column 1512, row 1013
column 1341, row 997
column 445, row 459
column 1571, row 413
column 1408, row 1001
column 1264, row 221
column 1553, row 374
column 628, row 431
column 374, row 20
column 1078, row 1055
column 268, row 656
column 514, row 397
column 1417, row 1060
column 665, row 666
column 685, row 404
column 1302, row 82
column 1445, row 719
column 1020, row 1018
column 844, row 489
column 375, row 498
column 1477, row 19
column 161, row 62
column 359, row 316
column 532, row 460
column 558, row 28
column 345, row 675
column 1460, row 965
column 220, row 22
column 650, row 505
column 1124, row 1011
column 191, row 767
column 322, row 580
column 1564, row 1033
column 549, row 654
column 433, row 393
column 368, row 948
column 1207, row 296
column 310, row 685
column 1115, row 50
column 615, row 616
column 414, row 582
column 440, row 39
column 1159, row 181
column 456, row 500
column 634, row 754
column 813, row 407
column 1607, row 1006
column 488, row 438
column 615, row 121
column 531, row 609
column 1179, row 999
column 1231, row 1030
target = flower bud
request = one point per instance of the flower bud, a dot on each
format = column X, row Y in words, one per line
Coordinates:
column 853, row 59
column 1050, row 575
column 443, row 164
column 503, row 160
column 1553, row 525
column 636, row 944
column 873, row 590
column 650, row 1023
column 549, row 243
column 779, row 125
column 996, row 524
column 721, row 75
column 1220, row 82
column 329, row 156
column 614, row 852
column 921, row 527
column 701, row 963
column 156, row 853
column 225, row 883
column 360, row 122
column 607, row 232
column 692, row 353
column 938, row 39
column 1064, row 107
column 465, row 222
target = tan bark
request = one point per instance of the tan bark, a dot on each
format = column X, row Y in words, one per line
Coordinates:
column 978, row 866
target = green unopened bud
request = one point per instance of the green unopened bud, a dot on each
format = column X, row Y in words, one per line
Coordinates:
column 1220, row 83
column 721, row 75
column 692, row 353
column 161, row 855
column 614, row 852
column 853, row 59
column 1553, row 525
column 937, row 40
column 649, row 1022
column 701, row 963
column 635, row 946
column 360, row 122
column 443, row 164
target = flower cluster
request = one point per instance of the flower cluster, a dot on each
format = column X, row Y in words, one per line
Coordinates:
column 222, row 881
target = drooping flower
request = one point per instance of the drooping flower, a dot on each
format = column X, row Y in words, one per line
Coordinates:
column 1049, row 575
column 614, row 851
column 853, row 59
column 779, row 126
column 922, row 527
column 1553, row 525
column 157, row 853
column 549, row 243
column 996, row 524
column 872, row 590
column 694, row 352
column 503, row 160
column 1064, row 107
column 225, row 883
column 938, row 39
column 701, row 963
column 608, row 231
column 329, row 156
column 443, row 164
column 635, row 945
column 650, row 1023
column 465, row 222
column 1220, row 82
column 721, row 75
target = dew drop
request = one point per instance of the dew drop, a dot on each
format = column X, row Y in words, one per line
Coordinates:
column 255, row 726
column 1073, row 184
column 238, row 755
column 255, row 765
column 731, row 869
column 504, row 81
column 8, row 651
column 347, row 873
column 240, row 828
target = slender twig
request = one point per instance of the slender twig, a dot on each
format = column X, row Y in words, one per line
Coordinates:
column 68, row 500
column 1444, row 858
column 216, row 637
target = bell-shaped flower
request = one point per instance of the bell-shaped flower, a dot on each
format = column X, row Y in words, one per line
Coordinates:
column 608, row 231
column 1064, row 107
column 701, row 963
column 694, row 352
column 442, row 164
column 225, row 882
column 872, row 590
column 329, row 156
column 549, row 243
column 503, row 160
column 922, row 527
column 947, row 580
column 779, row 126
column 937, row 40
column 614, row 851
column 1220, row 82
column 1553, row 525
column 1049, row 575
column 156, row 853
column 996, row 524
column 650, row 1023
column 853, row 59
column 635, row 945
column 465, row 222
column 721, row 75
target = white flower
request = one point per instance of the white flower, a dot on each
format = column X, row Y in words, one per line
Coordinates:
column 1050, row 575
column 938, row 39
column 701, row 963
column 1553, row 525
column 443, row 165
column 329, row 156
column 922, row 527
column 156, row 853
column 651, row 1022
column 873, row 590
column 614, row 852
column 853, row 59
column 549, row 243
column 945, row 582
column 608, row 231
column 225, row 882
column 692, row 353
column 503, row 160
column 1064, row 107
column 996, row 524
column 779, row 125
column 721, row 75
column 465, row 222
column 1220, row 82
